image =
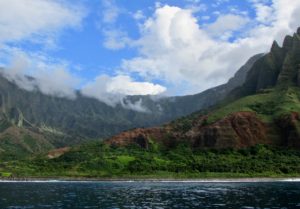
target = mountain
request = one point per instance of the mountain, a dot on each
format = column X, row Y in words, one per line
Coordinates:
column 264, row 110
column 57, row 122
column 254, row 131
column 278, row 68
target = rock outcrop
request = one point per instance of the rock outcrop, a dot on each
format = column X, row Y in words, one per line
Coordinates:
column 290, row 129
column 140, row 137
column 238, row 130
column 57, row 152
column 278, row 67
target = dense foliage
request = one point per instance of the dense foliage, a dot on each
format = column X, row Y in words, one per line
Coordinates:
column 100, row 160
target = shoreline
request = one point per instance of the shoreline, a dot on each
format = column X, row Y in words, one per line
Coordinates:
column 158, row 180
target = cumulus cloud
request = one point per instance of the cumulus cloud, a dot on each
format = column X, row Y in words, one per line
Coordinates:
column 36, row 19
column 113, row 90
column 175, row 48
column 40, row 22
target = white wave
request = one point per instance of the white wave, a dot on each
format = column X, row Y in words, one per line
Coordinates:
column 237, row 180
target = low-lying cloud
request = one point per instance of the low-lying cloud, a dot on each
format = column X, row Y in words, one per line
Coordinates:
column 113, row 90
column 35, row 74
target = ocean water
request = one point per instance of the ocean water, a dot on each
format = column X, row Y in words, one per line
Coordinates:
column 19, row 195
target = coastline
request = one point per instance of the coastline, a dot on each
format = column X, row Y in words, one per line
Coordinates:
column 158, row 180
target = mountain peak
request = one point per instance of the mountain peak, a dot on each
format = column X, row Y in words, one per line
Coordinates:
column 275, row 47
column 275, row 44
column 288, row 42
column 298, row 31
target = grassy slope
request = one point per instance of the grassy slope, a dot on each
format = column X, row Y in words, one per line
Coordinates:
column 99, row 160
column 268, row 104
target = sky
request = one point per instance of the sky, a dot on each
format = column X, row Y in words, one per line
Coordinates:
column 111, row 48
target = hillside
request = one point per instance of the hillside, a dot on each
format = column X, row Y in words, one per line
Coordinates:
column 255, row 131
column 62, row 122
column 264, row 110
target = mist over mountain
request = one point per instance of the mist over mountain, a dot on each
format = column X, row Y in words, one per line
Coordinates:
column 253, row 131
column 61, row 120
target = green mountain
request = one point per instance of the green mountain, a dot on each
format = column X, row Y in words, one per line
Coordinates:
column 264, row 110
column 253, row 131
column 53, row 122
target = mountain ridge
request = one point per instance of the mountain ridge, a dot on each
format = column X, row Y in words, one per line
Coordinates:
column 264, row 110
column 65, row 122
column 253, row 131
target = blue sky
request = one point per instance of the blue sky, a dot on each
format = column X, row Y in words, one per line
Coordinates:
column 124, row 47
column 85, row 48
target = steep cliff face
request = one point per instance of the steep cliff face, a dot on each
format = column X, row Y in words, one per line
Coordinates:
column 66, row 121
column 210, row 97
column 264, row 110
column 139, row 136
column 290, row 126
column 238, row 130
column 279, row 67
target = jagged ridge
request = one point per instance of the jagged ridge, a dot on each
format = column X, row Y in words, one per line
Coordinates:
column 264, row 110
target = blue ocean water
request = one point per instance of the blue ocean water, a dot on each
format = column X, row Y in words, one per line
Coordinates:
column 19, row 195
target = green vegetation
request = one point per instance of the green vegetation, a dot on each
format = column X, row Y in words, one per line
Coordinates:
column 268, row 104
column 99, row 160
column 4, row 124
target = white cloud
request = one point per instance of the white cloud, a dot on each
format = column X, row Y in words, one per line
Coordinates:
column 40, row 22
column 205, row 17
column 219, row 2
column 113, row 90
column 174, row 48
column 36, row 19
column 115, row 39
column 110, row 12
column 49, row 78
column 136, row 106
column 158, row 4
column 225, row 25
column 139, row 15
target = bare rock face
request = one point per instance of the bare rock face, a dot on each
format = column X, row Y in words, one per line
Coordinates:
column 57, row 152
column 139, row 136
column 238, row 130
column 290, row 126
